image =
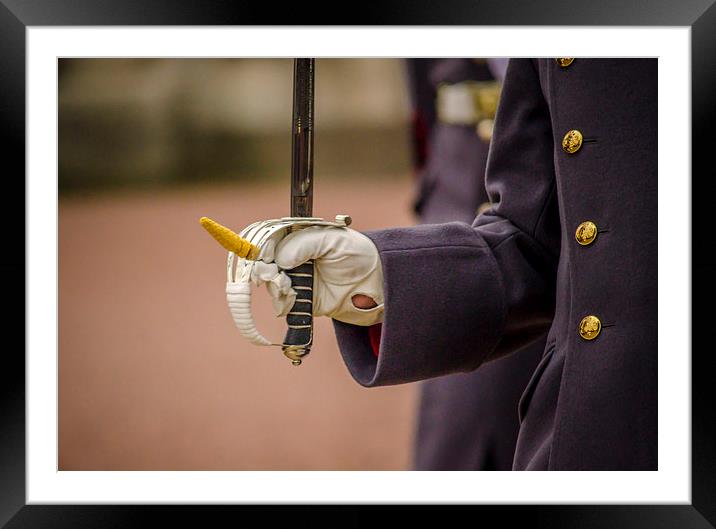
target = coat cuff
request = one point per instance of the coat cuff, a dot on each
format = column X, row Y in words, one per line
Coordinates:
column 444, row 306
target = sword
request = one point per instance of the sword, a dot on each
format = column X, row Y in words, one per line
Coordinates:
column 248, row 246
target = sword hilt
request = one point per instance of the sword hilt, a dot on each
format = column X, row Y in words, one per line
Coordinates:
column 249, row 245
column 299, row 336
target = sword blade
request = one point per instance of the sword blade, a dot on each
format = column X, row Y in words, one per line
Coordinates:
column 302, row 146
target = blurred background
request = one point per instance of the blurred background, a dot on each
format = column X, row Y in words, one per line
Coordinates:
column 153, row 373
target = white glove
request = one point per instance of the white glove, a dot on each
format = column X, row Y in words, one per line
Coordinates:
column 346, row 263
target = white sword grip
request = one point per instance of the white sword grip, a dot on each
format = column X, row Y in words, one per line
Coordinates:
column 238, row 295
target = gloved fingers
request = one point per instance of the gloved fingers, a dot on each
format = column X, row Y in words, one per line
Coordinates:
column 263, row 272
column 302, row 246
column 282, row 303
column 349, row 258
column 278, row 285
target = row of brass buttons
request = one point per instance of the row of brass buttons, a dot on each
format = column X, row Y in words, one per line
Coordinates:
column 590, row 326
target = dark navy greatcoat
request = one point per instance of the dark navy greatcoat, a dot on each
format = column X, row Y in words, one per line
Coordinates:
column 458, row 296
column 466, row 421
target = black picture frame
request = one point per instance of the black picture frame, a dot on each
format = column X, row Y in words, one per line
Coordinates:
column 16, row 15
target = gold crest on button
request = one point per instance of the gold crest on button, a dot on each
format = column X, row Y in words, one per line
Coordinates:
column 590, row 327
column 586, row 233
column 564, row 62
column 572, row 141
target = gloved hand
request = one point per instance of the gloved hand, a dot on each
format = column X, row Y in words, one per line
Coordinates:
column 346, row 265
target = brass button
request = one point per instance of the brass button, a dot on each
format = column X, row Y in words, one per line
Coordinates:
column 586, row 233
column 572, row 141
column 590, row 327
column 564, row 62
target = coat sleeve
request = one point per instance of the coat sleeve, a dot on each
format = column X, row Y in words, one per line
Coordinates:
column 457, row 295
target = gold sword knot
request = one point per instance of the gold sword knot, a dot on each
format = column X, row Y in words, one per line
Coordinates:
column 230, row 240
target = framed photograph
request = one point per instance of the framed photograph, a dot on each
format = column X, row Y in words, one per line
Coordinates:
column 132, row 388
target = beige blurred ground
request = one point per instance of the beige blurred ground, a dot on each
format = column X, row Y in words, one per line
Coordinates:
column 153, row 374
